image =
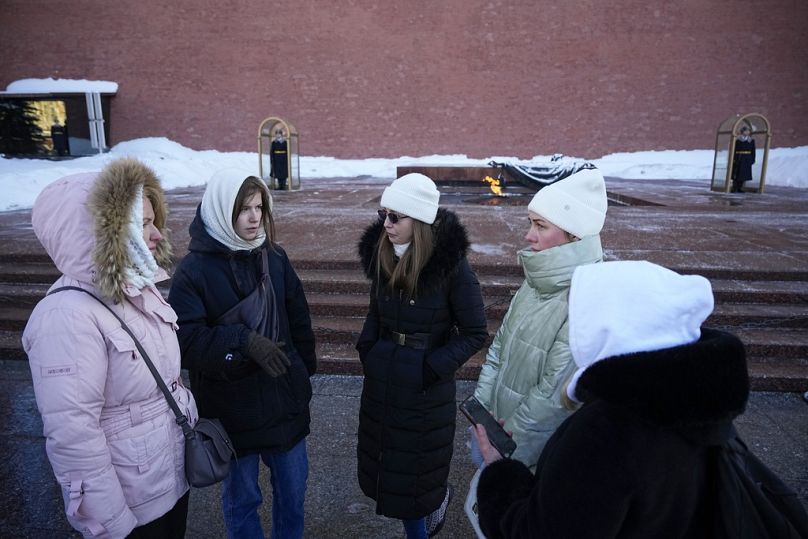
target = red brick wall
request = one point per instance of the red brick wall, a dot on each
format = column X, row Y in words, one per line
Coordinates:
column 366, row 78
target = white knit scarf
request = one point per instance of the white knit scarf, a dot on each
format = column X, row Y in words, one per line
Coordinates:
column 141, row 267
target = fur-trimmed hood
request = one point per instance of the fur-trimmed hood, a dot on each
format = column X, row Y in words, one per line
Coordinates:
column 693, row 385
column 82, row 222
column 451, row 244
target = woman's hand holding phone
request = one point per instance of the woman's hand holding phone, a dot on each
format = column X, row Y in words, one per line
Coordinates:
column 495, row 442
column 489, row 452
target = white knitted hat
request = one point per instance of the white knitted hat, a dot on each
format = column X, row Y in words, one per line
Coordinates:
column 618, row 308
column 576, row 204
column 413, row 195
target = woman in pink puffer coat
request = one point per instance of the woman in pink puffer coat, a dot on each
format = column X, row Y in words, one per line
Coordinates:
column 112, row 440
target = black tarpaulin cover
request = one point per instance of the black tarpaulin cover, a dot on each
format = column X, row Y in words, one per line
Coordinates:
column 538, row 176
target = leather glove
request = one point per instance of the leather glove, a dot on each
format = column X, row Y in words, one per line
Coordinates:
column 267, row 355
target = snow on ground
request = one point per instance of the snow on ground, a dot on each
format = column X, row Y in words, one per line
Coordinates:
column 21, row 180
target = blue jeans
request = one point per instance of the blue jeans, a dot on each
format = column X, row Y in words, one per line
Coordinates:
column 241, row 494
column 415, row 529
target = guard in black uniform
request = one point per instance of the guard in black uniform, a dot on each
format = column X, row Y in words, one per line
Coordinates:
column 742, row 160
column 278, row 159
column 61, row 142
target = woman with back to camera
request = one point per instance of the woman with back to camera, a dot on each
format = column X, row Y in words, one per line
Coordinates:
column 529, row 360
column 112, row 439
column 652, row 452
column 425, row 320
column 247, row 340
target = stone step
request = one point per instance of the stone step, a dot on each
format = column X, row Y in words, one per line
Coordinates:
column 742, row 291
column 776, row 376
column 16, row 298
column 14, row 318
column 34, row 267
column 777, row 358
column 758, row 316
column 338, row 281
column 11, row 345
column 27, row 272
column 725, row 290
column 774, row 343
column 777, row 342
column 737, row 315
column 354, row 282
column 766, row 374
column 22, row 292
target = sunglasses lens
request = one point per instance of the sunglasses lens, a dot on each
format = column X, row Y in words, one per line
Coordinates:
column 384, row 214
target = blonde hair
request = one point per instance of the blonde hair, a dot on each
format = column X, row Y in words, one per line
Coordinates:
column 157, row 199
column 403, row 273
column 567, row 402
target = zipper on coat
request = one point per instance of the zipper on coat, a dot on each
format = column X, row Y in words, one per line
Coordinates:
column 379, row 476
column 383, row 425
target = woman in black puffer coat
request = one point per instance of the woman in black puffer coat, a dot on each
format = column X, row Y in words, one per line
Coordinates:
column 247, row 341
column 426, row 318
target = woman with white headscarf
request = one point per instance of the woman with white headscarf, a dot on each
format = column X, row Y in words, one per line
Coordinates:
column 246, row 338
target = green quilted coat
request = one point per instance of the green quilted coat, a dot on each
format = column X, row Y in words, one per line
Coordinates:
column 529, row 360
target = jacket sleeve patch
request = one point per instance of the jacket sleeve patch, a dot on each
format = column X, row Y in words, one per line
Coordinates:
column 59, row 370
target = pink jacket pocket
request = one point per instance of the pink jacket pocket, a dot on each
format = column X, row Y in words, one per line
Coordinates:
column 145, row 464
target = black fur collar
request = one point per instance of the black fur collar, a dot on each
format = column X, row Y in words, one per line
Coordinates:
column 696, row 384
column 451, row 244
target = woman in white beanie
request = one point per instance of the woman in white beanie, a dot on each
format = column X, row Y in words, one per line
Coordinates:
column 247, row 341
column 652, row 452
column 529, row 361
column 426, row 319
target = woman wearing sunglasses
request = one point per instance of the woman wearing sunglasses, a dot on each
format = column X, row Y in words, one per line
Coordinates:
column 425, row 320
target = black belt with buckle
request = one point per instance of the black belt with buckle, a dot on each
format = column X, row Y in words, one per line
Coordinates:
column 419, row 341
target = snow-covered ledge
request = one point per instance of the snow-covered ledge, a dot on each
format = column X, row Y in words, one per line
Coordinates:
column 61, row 86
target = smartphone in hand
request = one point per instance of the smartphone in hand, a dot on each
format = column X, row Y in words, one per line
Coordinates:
column 477, row 414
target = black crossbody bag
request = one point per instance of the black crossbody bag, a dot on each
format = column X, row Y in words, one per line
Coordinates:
column 208, row 449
